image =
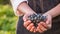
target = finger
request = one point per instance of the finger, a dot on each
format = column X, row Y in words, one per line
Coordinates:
column 25, row 17
column 44, row 24
column 42, row 28
column 27, row 23
column 39, row 30
column 49, row 23
column 30, row 26
column 49, row 20
column 32, row 29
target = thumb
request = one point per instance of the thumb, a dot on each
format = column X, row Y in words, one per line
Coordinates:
column 49, row 23
column 25, row 17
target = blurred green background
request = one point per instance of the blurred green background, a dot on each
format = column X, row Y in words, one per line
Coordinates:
column 7, row 18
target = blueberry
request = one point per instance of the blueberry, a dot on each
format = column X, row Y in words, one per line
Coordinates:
column 36, row 18
column 43, row 18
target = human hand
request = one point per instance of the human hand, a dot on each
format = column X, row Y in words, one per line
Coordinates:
column 27, row 23
column 29, row 26
column 44, row 26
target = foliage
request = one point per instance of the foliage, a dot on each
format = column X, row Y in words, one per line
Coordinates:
column 4, row 1
column 7, row 20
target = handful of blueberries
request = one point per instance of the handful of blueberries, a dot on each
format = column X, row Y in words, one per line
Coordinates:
column 37, row 18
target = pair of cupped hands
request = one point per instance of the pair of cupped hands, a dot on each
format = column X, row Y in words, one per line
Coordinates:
column 42, row 26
